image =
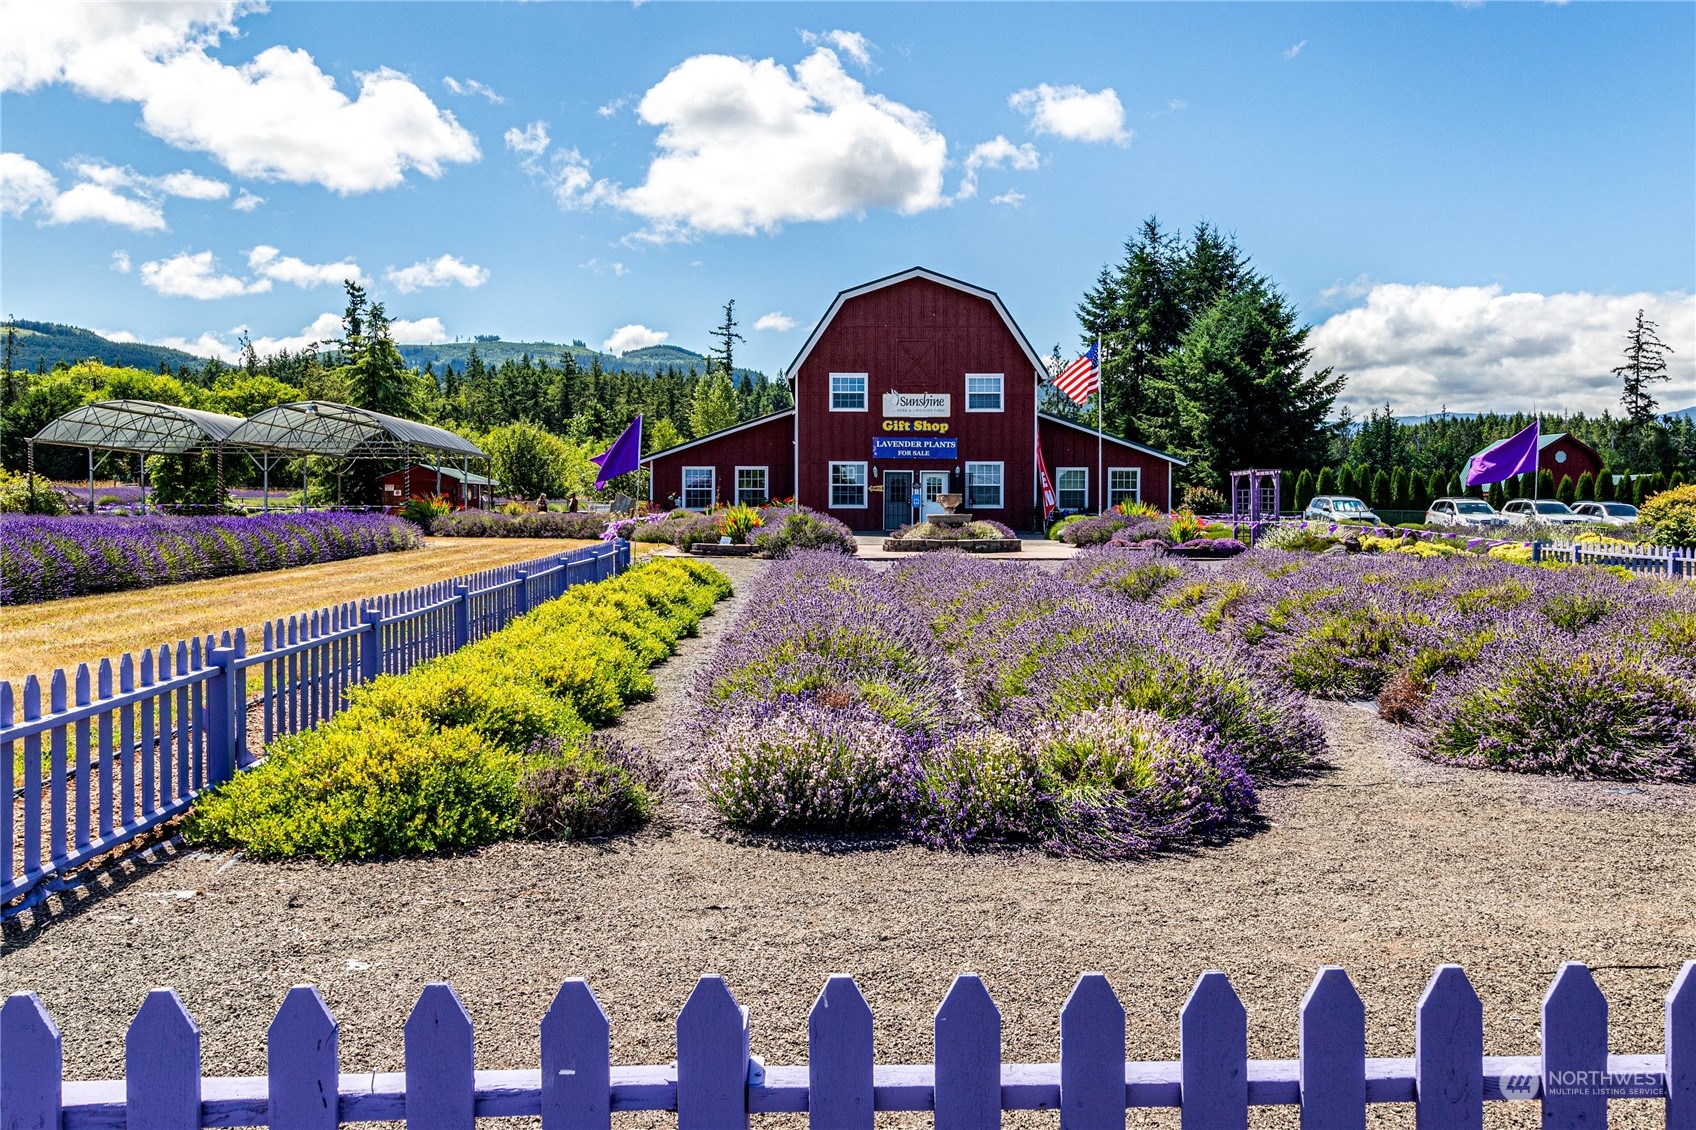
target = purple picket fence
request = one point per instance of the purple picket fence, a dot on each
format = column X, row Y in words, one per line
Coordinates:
column 114, row 753
column 716, row 1083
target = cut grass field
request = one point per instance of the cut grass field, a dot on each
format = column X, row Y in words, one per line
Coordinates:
column 36, row 638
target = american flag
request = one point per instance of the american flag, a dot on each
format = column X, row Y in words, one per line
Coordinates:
column 1081, row 378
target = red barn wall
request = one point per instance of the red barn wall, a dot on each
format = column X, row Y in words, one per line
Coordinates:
column 1579, row 459
column 769, row 445
column 918, row 336
column 1067, row 447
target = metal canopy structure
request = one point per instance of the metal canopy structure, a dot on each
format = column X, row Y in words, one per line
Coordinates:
column 340, row 431
column 140, row 426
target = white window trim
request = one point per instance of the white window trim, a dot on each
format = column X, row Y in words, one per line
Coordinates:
column 765, row 472
column 683, row 487
column 865, row 393
column 1136, row 496
column 830, row 484
column 1058, row 472
column 1001, row 378
column 1001, row 485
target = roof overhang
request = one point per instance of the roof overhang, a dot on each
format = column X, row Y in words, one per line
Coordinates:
column 323, row 427
column 140, row 426
column 990, row 296
column 721, row 433
column 1120, row 440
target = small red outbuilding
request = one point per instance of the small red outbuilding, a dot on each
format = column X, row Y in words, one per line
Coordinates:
column 913, row 386
column 461, row 488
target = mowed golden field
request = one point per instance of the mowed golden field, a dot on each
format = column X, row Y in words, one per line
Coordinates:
column 36, row 638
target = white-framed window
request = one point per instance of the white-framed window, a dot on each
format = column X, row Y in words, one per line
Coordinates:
column 700, row 487
column 983, row 392
column 847, row 486
column 751, row 483
column 848, row 392
column 1124, row 484
column 983, row 486
column 1071, row 487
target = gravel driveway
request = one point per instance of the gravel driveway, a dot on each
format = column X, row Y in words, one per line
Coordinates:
column 1384, row 864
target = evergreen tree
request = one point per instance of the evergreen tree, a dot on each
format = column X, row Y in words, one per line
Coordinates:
column 727, row 337
column 1567, row 492
column 714, row 406
column 1545, row 484
column 1380, row 497
column 1138, row 313
column 376, row 375
column 1398, row 490
column 1346, row 484
column 1239, row 389
column 1606, row 489
column 1587, row 487
column 1498, row 497
column 661, row 436
column 1434, row 485
column 1326, row 483
column 1304, row 490
column 1454, row 489
column 1639, row 490
column 1645, row 363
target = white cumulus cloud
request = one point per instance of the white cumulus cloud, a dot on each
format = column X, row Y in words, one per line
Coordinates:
column 108, row 193
column 424, row 331
column 748, row 146
column 472, row 86
column 276, row 117
column 445, row 271
column 327, row 327
column 121, row 262
column 1012, row 198
column 531, row 141
column 247, row 201
column 626, row 338
column 1073, row 113
column 24, row 184
column 1294, row 49
column 89, row 201
column 1473, row 348
column 191, row 275
column 994, row 154
column 776, row 320
column 851, row 43
column 270, row 263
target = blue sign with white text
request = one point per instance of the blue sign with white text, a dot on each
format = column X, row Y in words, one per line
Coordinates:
column 914, row 447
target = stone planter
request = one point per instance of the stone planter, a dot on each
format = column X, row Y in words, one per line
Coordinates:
column 964, row 545
column 714, row 549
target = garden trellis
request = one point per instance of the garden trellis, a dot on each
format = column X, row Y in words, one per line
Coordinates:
column 310, row 428
column 120, row 750
column 716, row 1083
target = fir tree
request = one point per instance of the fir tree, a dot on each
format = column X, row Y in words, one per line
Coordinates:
column 1587, row 487
column 727, row 337
column 714, row 406
column 1326, row 484
column 1304, row 489
column 1645, row 363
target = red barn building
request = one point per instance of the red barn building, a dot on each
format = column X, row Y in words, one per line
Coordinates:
column 1562, row 454
column 460, row 488
column 910, row 387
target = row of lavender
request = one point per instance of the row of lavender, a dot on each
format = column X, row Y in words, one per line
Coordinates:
column 1575, row 669
column 1023, row 708
column 44, row 558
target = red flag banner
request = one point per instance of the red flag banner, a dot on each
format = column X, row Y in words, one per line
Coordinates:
column 1049, row 500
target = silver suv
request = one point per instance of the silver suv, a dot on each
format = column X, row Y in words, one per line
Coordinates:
column 1524, row 511
column 1463, row 512
column 1340, row 508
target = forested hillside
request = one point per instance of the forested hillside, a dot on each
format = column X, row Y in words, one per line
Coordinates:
column 45, row 344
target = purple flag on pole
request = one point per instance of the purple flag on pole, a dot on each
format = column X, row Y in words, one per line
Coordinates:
column 1512, row 456
column 624, row 456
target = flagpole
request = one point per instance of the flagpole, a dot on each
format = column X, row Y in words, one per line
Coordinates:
column 1100, row 395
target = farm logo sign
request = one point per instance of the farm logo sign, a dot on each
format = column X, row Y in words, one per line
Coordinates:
column 913, row 447
column 917, row 404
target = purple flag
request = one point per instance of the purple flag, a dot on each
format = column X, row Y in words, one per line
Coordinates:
column 1512, row 456
column 624, row 456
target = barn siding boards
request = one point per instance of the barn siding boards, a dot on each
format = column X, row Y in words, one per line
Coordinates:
column 1069, row 445
column 768, row 443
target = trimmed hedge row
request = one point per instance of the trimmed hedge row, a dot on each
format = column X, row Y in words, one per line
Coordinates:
column 493, row 741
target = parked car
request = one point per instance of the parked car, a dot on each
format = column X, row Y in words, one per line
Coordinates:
column 1610, row 513
column 1523, row 511
column 1340, row 508
column 1463, row 512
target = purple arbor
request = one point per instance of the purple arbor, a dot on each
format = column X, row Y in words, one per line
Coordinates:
column 1256, row 495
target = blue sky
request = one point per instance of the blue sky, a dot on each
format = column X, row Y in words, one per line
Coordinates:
column 1468, row 202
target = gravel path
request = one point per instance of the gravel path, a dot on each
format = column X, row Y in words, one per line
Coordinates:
column 1382, row 863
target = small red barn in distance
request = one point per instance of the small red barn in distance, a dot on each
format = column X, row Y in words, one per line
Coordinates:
column 911, row 387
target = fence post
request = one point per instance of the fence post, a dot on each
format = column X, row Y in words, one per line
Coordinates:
column 162, row 1065
column 1681, row 1050
column 241, row 697
column 461, row 616
column 371, row 644
column 1448, row 1054
column 1536, row 552
column 221, row 716
column 839, row 1057
column 1575, row 1051
column 576, row 1061
column 712, row 1059
column 31, row 1072
column 1213, row 1048
column 1092, row 1057
column 968, row 1058
column 523, row 603
column 302, row 1058
column 440, row 1074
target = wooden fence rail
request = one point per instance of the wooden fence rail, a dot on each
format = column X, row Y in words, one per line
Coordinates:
column 716, row 1083
column 128, row 746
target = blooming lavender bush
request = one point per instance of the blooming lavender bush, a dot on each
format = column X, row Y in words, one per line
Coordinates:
column 545, row 524
column 805, row 763
column 42, row 558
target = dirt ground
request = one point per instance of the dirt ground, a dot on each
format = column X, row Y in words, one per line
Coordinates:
column 1381, row 863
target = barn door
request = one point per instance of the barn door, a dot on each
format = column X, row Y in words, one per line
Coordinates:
column 897, row 499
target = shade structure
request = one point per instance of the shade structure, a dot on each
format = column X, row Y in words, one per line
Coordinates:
column 140, row 426
column 322, row 427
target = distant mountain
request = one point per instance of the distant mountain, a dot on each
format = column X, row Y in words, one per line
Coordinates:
column 648, row 361
column 50, row 343
column 1436, row 416
column 1683, row 413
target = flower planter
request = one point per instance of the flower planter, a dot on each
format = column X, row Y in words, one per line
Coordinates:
column 964, row 545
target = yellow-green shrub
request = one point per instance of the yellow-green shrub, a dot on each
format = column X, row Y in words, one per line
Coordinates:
column 458, row 751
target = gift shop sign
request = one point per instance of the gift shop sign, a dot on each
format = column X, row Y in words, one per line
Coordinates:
column 916, row 404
